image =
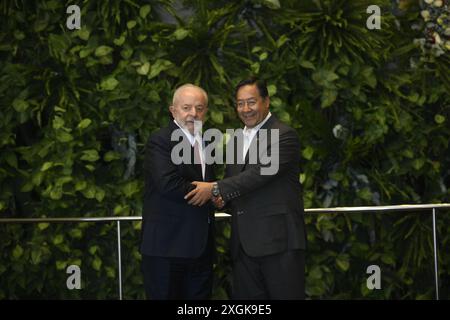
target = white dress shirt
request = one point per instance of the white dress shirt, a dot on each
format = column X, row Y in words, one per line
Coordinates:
column 192, row 140
column 249, row 134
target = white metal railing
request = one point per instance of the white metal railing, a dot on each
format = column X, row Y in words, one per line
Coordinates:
column 391, row 208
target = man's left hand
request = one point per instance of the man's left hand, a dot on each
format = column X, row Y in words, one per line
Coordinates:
column 201, row 194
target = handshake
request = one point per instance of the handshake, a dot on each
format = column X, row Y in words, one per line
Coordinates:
column 202, row 193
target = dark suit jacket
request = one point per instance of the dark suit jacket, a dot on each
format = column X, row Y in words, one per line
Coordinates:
column 267, row 210
column 171, row 227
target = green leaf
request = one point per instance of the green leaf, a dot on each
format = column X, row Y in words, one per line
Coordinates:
column 63, row 136
column 181, row 33
column 218, row 67
column 27, row 187
column 84, row 123
column 43, row 225
column 388, row 259
column 272, row 4
column 302, row 178
column 118, row 209
column 109, row 84
column 56, row 193
column 324, row 77
column 365, row 194
column 337, row 176
column 61, row 265
column 58, row 239
column 255, row 67
column 217, row 116
column 263, row 56
column 90, row 155
column 100, row 194
column 308, row 152
column 342, row 262
column 62, row 180
column 141, row 37
column 328, row 97
column 97, row 263
column 126, row 53
column 90, row 167
column 89, row 192
column 440, row 119
column 85, row 52
column 36, row 256
column 144, row 11
column 41, row 24
column 17, row 252
column 276, row 102
column 119, row 41
column 282, row 40
column 256, row 49
column 11, row 159
column 111, row 155
column 284, row 116
column 46, row 166
column 315, row 273
column 103, row 51
column 418, row 163
column 80, row 185
column 131, row 24
column 110, row 272
column 58, row 45
column 19, row 35
column 159, row 66
column 93, row 249
column 307, row 64
column 76, row 233
column 20, row 105
column 37, row 178
column 83, row 34
column 130, row 188
column 58, row 122
column 143, row 69
column 272, row 89
column 367, row 72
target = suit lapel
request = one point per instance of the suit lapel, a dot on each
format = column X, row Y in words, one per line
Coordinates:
column 254, row 145
column 195, row 169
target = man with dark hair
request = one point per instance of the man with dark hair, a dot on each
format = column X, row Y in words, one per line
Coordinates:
column 177, row 241
column 260, row 85
column 268, row 237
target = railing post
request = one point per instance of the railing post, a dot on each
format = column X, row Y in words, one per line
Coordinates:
column 119, row 255
column 436, row 274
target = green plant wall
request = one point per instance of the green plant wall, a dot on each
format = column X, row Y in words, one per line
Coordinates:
column 76, row 107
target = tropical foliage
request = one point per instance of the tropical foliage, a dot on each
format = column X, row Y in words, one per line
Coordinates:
column 371, row 107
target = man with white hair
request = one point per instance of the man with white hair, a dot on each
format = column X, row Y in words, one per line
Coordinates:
column 177, row 241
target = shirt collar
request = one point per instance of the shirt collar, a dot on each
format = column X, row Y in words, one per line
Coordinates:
column 257, row 127
column 188, row 134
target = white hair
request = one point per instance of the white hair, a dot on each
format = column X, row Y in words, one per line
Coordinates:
column 185, row 86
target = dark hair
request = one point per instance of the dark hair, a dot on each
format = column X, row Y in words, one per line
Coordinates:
column 260, row 84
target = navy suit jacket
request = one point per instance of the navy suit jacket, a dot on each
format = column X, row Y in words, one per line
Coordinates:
column 170, row 226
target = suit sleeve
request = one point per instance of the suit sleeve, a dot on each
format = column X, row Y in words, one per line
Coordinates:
column 159, row 167
column 252, row 179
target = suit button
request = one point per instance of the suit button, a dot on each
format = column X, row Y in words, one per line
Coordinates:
column 240, row 212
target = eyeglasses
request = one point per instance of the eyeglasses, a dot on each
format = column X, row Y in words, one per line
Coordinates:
column 250, row 103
